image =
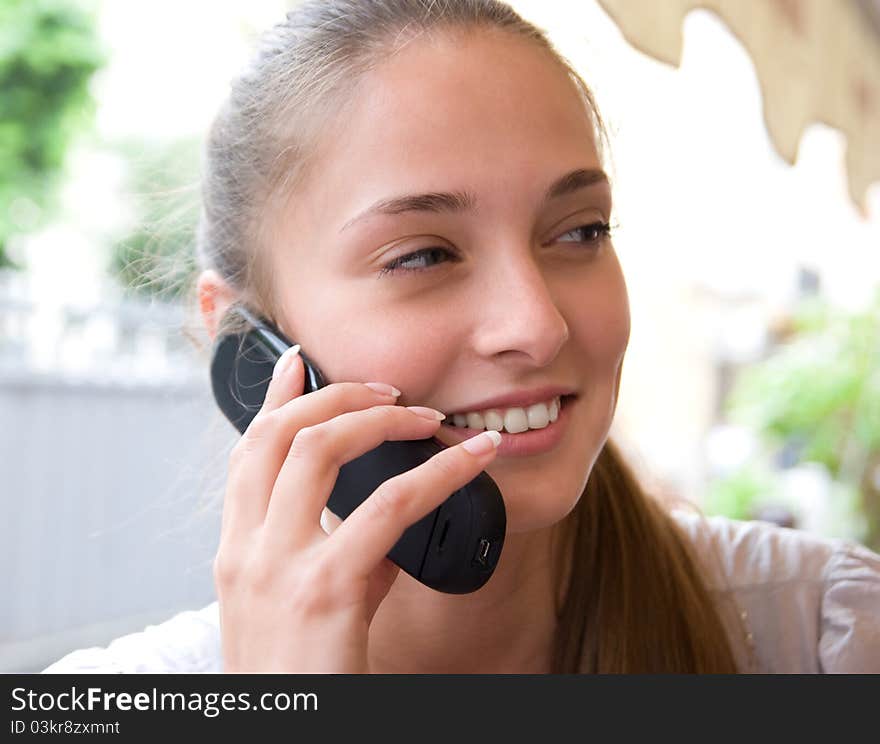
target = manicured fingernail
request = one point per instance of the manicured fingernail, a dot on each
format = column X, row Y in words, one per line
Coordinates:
column 285, row 359
column 381, row 387
column 329, row 521
column 482, row 443
column 428, row 413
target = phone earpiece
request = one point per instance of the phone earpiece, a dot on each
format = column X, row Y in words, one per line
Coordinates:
column 242, row 365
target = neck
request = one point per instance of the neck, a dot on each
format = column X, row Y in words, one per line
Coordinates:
column 506, row 627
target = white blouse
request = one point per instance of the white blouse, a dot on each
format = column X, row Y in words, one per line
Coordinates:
column 791, row 602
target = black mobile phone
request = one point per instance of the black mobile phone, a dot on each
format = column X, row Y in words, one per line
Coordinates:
column 453, row 549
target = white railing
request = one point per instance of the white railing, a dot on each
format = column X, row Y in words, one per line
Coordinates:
column 119, row 340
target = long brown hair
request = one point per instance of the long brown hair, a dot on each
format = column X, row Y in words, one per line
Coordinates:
column 634, row 599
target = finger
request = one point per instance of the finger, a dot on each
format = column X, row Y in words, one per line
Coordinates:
column 260, row 453
column 318, row 452
column 370, row 531
column 274, row 430
column 287, row 380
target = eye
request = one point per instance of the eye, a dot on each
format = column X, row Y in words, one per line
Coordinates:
column 595, row 232
column 420, row 260
column 425, row 258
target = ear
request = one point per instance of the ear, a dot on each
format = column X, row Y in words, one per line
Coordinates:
column 215, row 297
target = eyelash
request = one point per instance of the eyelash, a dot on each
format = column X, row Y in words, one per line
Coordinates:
column 602, row 230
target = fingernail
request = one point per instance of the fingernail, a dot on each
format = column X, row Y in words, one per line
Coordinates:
column 381, row 387
column 329, row 521
column 285, row 359
column 428, row 413
column 482, row 443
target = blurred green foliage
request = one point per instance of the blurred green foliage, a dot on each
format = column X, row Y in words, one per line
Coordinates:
column 817, row 394
column 821, row 388
column 49, row 50
column 157, row 257
column 742, row 494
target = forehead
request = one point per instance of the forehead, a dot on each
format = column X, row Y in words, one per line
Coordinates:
column 469, row 110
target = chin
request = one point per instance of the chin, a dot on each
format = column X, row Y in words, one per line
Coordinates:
column 541, row 505
column 541, row 490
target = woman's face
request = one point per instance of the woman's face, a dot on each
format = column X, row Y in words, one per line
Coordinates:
column 496, row 290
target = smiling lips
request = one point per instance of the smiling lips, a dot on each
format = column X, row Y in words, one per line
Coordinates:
column 523, row 440
column 511, row 420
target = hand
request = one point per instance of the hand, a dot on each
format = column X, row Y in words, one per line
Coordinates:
column 292, row 597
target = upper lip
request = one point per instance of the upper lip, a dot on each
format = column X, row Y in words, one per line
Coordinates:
column 516, row 399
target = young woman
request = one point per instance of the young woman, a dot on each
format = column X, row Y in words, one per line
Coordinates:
column 414, row 192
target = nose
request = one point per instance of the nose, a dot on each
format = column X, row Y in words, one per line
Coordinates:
column 518, row 313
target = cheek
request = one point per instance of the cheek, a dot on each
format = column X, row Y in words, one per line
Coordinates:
column 362, row 342
column 600, row 319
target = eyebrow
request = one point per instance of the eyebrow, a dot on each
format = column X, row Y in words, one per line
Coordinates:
column 459, row 201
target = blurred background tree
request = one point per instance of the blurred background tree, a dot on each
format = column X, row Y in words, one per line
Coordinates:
column 815, row 399
column 49, row 50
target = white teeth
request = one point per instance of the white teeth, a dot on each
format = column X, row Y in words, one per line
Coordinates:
column 475, row 421
column 538, row 416
column 515, row 420
column 511, row 420
column 494, row 420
